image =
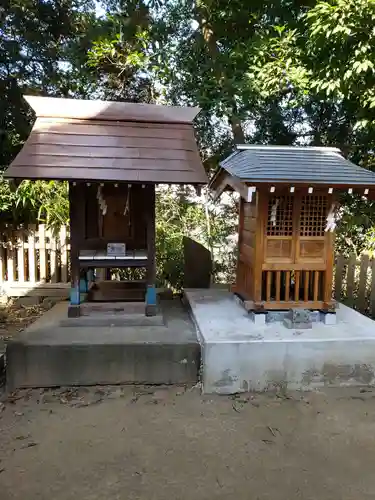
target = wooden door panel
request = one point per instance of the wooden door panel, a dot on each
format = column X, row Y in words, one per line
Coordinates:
column 312, row 250
column 279, row 250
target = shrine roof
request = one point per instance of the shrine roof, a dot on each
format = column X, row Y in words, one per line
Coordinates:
column 294, row 164
column 110, row 141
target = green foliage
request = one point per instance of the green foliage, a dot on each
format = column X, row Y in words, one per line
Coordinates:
column 356, row 230
column 179, row 213
column 34, row 200
column 120, row 55
column 285, row 72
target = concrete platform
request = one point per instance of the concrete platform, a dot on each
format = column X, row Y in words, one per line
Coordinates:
column 47, row 354
column 240, row 355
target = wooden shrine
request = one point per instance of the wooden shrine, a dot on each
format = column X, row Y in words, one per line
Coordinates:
column 113, row 154
column 287, row 209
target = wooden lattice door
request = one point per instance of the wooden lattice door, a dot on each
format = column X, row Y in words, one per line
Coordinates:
column 312, row 225
column 297, row 264
column 279, row 232
column 296, row 228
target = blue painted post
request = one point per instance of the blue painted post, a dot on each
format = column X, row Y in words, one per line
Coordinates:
column 75, row 295
column 83, row 285
column 150, row 296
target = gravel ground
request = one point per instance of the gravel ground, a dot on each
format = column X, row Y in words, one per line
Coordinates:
column 172, row 443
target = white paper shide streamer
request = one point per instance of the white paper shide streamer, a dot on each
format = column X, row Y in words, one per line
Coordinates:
column 102, row 203
column 274, row 212
column 331, row 219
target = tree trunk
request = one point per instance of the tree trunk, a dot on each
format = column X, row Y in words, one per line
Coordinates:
column 237, row 129
column 209, row 37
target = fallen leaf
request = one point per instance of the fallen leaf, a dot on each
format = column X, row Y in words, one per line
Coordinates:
column 21, row 437
column 29, row 445
column 268, row 441
column 235, row 408
column 272, row 430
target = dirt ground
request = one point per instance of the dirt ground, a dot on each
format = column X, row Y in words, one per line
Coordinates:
column 14, row 318
column 172, row 443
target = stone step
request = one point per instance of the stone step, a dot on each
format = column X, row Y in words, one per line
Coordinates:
column 97, row 308
column 114, row 319
column 43, row 365
column 47, row 355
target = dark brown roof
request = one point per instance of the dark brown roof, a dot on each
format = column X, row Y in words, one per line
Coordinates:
column 114, row 141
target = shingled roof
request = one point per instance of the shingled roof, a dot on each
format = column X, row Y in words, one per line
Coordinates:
column 110, row 141
column 291, row 164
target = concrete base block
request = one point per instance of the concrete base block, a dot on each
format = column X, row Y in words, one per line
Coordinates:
column 74, row 311
column 238, row 355
column 329, row 318
column 92, row 364
column 276, row 316
column 47, row 355
column 258, row 319
column 151, row 310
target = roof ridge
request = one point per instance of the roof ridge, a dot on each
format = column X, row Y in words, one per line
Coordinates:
column 287, row 148
column 266, row 164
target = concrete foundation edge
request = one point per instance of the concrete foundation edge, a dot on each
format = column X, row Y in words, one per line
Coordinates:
column 71, row 365
column 267, row 366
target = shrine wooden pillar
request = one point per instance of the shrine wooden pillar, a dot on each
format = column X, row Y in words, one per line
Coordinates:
column 151, row 305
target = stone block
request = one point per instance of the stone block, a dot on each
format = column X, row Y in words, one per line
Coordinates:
column 288, row 323
column 298, row 319
column 197, row 264
column 328, row 318
column 259, row 319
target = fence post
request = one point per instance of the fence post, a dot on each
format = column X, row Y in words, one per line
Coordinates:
column 340, row 263
column 42, row 253
column 20, row 255
column 53, row 256
column 363, row 283
column 31, row 252
column 63, row 254
column 372, row 293
column 350, row 279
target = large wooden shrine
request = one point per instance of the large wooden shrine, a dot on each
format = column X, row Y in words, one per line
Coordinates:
column 288, row 203
column 113, row 154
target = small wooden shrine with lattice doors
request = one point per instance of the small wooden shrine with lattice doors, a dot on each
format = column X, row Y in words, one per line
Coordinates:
column 113, row 155
column 287, row 215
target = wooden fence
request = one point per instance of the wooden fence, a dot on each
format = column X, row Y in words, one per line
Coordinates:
column 355, row 283
column 35, row 261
